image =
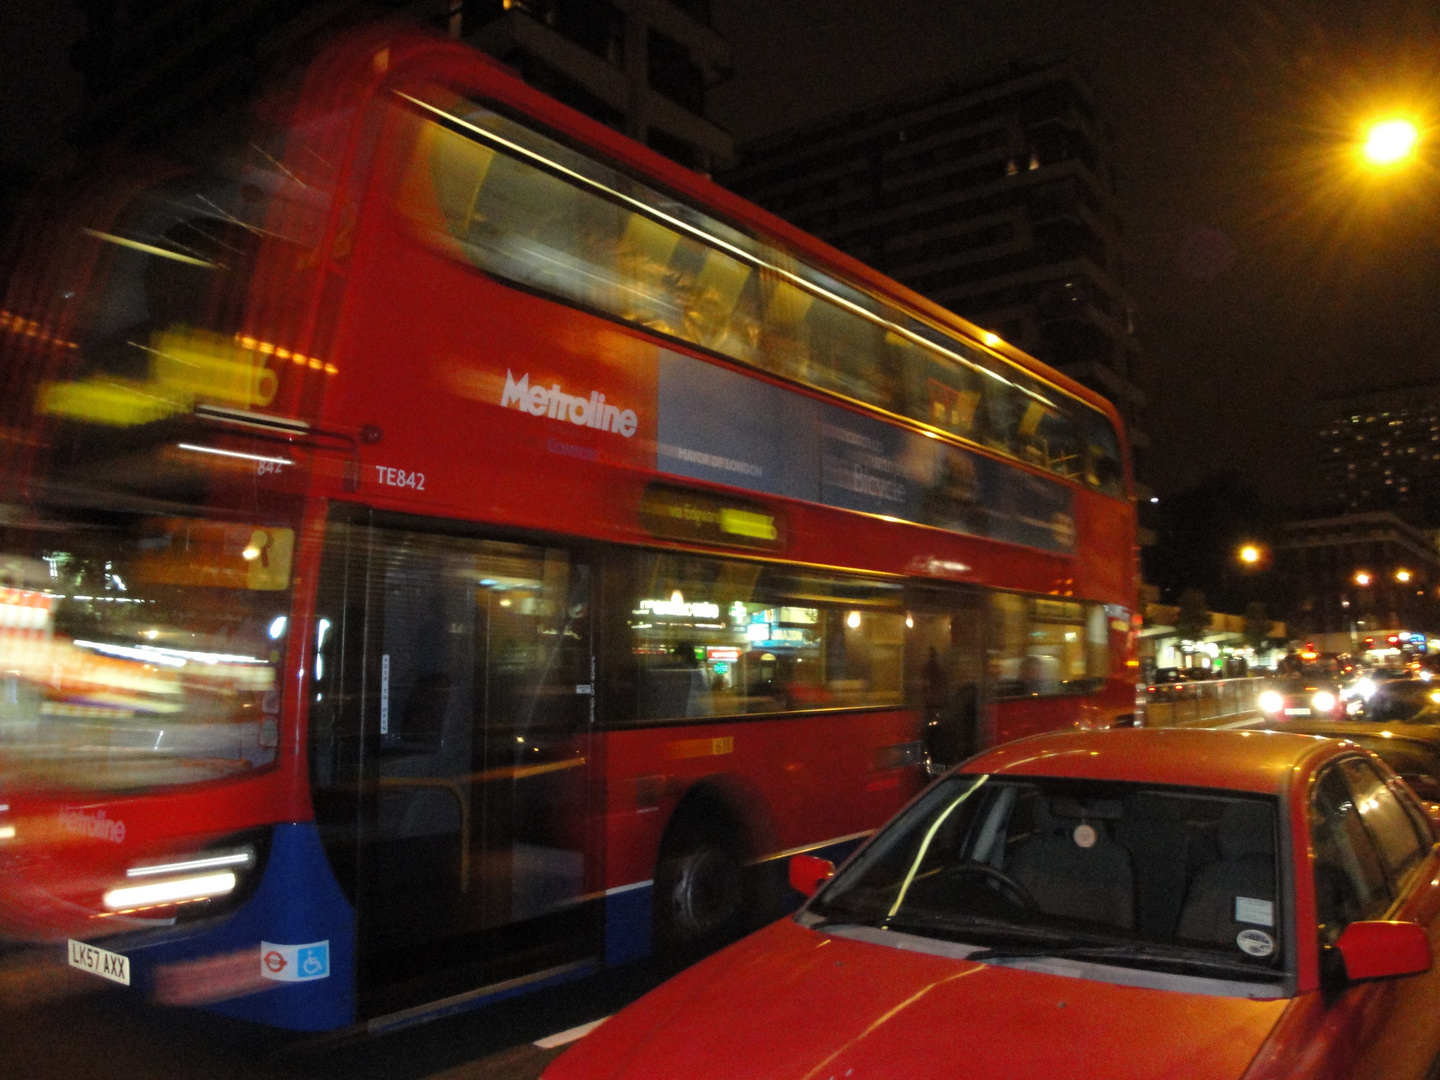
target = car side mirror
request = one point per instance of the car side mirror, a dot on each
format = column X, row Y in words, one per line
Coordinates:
column 807, row 872
column 1382, row 949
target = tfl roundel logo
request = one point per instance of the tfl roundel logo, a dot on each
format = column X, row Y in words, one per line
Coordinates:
column 295, row 963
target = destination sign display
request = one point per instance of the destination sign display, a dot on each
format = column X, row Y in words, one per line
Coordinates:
column 674, row 513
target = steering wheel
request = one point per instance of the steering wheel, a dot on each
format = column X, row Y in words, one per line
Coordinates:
column 1008, row 884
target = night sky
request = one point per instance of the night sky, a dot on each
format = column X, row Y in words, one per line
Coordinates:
column 1266, row 270
column 39, row 89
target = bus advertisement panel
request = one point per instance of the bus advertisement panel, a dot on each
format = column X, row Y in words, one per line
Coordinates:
column 446, row 548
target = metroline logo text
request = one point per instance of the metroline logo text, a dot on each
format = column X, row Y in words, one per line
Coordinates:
column 591, row 412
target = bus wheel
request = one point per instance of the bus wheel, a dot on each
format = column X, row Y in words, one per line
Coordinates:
column 699, row 894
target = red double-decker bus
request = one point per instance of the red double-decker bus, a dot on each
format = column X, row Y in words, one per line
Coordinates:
column 448, row 548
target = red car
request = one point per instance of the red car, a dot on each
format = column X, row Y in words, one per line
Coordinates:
column 1135, row 903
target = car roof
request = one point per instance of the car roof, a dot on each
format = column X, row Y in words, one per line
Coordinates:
column 1232, row 760
column 1340, row 729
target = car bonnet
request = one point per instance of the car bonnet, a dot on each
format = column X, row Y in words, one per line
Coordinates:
column 790, row 1003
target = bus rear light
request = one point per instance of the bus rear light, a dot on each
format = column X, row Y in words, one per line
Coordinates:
column 170, row 891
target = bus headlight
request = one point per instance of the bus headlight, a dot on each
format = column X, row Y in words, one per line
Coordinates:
column 1271, row 701
column 206, row 875
column 169, row 891
column 1323, row 701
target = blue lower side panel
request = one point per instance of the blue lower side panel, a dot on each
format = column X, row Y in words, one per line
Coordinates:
column 298, row 907
column 297, row 904
column 627, row 924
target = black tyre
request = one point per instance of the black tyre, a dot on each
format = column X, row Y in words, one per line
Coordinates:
column 699, row 897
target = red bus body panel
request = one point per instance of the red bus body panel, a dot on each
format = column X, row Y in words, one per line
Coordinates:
column 409, row 353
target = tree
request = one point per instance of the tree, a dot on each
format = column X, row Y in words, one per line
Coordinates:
column 1193, row 618
column 1257, row 625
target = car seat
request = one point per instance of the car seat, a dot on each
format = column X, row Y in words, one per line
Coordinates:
column 1091, row 883
column 1245, row 870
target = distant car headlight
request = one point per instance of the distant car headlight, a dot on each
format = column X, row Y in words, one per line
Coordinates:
column 1426, row 676
column 1324, row 701
column 1365, row 688
column 1272, row 701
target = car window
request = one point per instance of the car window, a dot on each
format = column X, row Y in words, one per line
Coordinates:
column 1350, row 879
column 1418, row 815
column 1394, row 833
column 1415, row 763
column 1158, row 876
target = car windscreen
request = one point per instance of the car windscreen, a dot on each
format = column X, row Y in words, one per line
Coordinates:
column 1138, row 875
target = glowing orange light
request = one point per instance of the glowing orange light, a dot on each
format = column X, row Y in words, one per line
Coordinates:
column 1390, row 142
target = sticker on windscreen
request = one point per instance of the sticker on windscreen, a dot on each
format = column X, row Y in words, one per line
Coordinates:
column 1255, row 942
column 1250, row 910
column 1084, row 835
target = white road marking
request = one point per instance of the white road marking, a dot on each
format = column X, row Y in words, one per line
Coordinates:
column 563, row 1037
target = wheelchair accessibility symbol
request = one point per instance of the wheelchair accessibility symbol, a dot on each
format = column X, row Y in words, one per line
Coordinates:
column 295, row 963
column 314, row 961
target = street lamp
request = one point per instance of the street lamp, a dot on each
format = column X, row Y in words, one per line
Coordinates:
column 1402, row 576
column 1390, row 142
column 1253, row 555
column 1362, row 577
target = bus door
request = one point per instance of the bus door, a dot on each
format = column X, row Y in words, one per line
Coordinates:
column 474, row 756
column 944, row 671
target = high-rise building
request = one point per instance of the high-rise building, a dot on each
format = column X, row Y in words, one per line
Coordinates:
column 1357, row 575
column 994, row 197
column 1381, row 451
column 640, row 66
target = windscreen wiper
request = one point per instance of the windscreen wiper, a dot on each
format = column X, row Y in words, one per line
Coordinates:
column 1004, row 934
column 930, row 922
column 1123, row 952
